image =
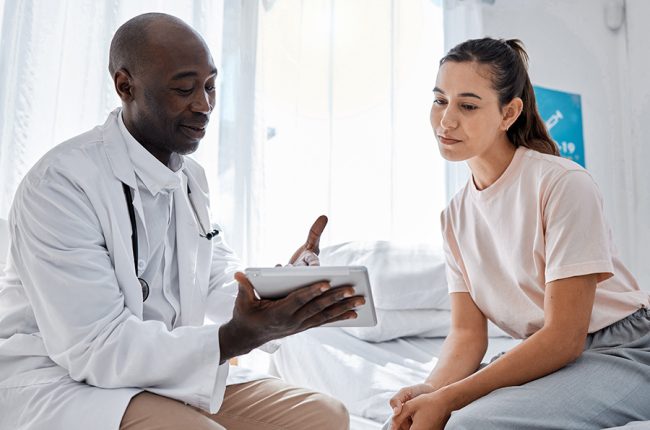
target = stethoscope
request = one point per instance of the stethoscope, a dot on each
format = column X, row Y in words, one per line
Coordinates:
column 134, row 233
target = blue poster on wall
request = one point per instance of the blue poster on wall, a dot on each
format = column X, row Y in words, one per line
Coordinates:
column 562, row 113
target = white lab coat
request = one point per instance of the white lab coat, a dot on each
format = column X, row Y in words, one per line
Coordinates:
column 73, row 346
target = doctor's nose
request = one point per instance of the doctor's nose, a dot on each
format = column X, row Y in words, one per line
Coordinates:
column 203, row 102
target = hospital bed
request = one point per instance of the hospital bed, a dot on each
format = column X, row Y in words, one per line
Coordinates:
column 363, row 375
column 4, row 243
column 364, row 367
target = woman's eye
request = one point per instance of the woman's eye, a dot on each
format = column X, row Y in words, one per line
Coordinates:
column 469, row 107
column 439, row 102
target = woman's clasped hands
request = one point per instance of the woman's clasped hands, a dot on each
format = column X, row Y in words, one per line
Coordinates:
column 421, row 407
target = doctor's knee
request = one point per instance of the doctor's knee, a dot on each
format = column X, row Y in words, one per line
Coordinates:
column 327, row 413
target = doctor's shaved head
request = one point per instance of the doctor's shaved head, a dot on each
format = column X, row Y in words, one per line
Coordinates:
column 134, row 43
column 165, row 76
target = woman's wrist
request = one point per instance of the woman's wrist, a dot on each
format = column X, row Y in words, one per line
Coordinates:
column 439, row 381
column 456, row 396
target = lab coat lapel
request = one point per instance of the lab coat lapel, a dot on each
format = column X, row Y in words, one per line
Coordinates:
column 200, row 200
column 194, row 261
column 187, row 243
column 122, row 168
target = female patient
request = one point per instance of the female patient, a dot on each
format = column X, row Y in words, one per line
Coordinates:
column 528, row 248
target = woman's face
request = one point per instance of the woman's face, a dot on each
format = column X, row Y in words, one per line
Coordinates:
column 465, row 114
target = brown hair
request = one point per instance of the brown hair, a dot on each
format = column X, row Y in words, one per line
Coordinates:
column 508, row 64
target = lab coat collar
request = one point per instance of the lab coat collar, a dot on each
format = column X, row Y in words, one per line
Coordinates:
column 116, row 150
column 155, row 176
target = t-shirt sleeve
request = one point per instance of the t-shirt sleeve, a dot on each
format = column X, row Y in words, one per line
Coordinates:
column 454, row 266
column 576, row 234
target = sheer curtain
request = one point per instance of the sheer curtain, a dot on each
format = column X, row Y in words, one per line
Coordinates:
column 339, row 125
column 236, row 183
column 463, row 20
column 54, row 80
column 323, row 108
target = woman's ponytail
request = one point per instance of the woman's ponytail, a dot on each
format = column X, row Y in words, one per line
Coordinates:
column 529, row 129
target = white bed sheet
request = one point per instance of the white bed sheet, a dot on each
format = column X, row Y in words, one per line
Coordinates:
column 4, row 243
column 363, row 375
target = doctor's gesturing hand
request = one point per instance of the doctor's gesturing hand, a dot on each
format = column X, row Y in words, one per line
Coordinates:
column 257, row 321
column 307, row 254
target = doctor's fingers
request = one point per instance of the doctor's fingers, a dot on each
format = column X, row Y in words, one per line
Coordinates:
column 302, row 296
column 337, row 299
column 307, row 258
column 315, row 232
column 340, row 311
column 327, row 316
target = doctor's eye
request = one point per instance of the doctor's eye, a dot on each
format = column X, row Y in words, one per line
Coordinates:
column 184, row 91
column 469, row 106
column 440, row 102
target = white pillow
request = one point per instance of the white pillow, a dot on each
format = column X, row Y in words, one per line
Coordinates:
column 401, row 276
column 392, row 324
column 409, row 288
column 414, row 322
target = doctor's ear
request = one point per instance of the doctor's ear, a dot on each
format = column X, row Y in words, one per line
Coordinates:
column 123, row 85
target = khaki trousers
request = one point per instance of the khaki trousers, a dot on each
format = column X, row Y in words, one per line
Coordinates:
column 267, row 404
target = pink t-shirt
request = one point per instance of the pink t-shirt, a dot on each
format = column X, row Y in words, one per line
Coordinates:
column 542, row 220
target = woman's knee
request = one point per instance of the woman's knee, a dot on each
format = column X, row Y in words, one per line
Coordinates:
column 467, row 418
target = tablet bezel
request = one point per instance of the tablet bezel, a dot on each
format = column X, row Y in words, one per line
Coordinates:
column 277, row 282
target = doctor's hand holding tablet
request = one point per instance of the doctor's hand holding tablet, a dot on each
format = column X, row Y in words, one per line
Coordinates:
column 277, row 302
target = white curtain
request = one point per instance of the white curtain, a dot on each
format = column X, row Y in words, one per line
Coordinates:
column 54, row 80
column 323, row 108
column 342, row 93
column 630, row 197
column 236, row 184
column 463, row 19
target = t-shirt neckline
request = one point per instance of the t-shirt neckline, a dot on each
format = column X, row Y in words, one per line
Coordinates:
column 506, row 177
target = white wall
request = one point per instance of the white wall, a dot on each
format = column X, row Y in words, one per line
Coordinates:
column 572, row 49
column 635, row 112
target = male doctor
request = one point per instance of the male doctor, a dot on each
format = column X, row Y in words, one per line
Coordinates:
column 101, row 324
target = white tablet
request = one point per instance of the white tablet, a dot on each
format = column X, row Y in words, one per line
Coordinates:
column 277, row 282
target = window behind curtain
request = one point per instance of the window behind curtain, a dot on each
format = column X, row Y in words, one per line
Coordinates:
column 54, row 80
column 343, row 91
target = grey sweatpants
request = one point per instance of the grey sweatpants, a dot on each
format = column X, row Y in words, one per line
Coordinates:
column 608, row 386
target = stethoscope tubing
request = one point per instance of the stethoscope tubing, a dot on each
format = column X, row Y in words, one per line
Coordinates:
column 134, row 239
column 134, row 234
